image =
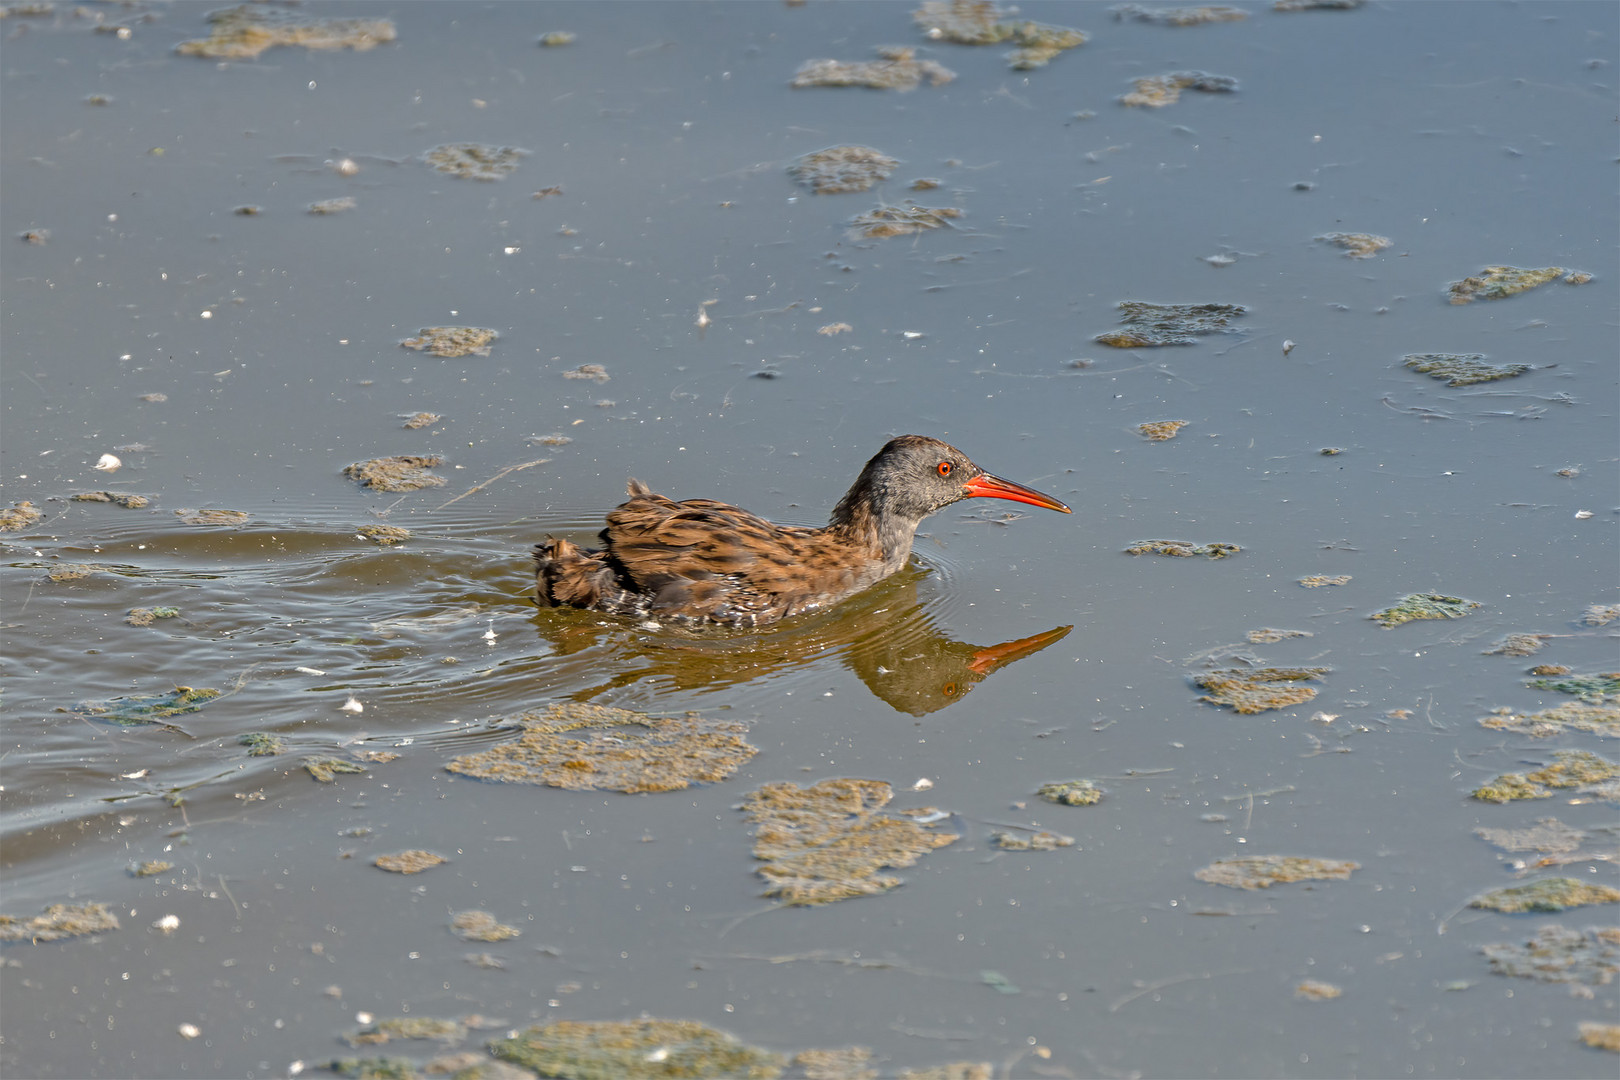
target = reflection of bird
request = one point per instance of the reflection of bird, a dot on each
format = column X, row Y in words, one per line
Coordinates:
column 917, row 670
column 706, row 561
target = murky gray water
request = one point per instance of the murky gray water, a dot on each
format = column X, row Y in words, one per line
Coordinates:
column 1469, row 134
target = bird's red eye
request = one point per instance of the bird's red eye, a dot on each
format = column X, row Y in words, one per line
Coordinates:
column 944, row 468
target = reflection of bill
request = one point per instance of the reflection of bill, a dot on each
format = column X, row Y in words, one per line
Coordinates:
column 887, row 636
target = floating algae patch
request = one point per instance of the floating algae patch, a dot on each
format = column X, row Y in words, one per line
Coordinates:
column 593, row 372
column 635, row 1050
column 1602, row 688
column 59, row 921
column 1182, row 16
column 885, row 221
column 150, row 868
column 1035, row 841
column 333, row 206
column 1574, row 769
column 1160, row 430
column 1316, row 581
column 155, row 709
column 827, row 842
column 1548, row 894
column 1496, row 282
column 1182, row 549
column 262, row 743
column 375, row 1068
column 1557, row 954
column 384, row 535
column 62, row 573
column 1572, row 716
column 594, row 747
column 955, row 1070
column 1518, row 645
column 452, row 341
column 326, row 769
column 408, row 1027
column 1357, row 245
column 1549, row 836
column 211, row 517
column 1270, row 636
column 1253, row 690
column 1071, row 792
column 1150, row 325
column 481, row 926
column 1600, row 1036
column 242, row 33
column 117, row 498
column 475, row 161
column 1424, row 606
column 413, row 861
column 554, row 38
column 1316, row 5
column 403, row 473
column 839, row 169
column 980, row 22
column 844, row 1063
column 147, row 616
column 1264, row 871
column 421, row 420
column 897, row 68
column 1157, row 91
column 1316, row 990
column 1594, row 615
column 1462, row 369
column 19, row 516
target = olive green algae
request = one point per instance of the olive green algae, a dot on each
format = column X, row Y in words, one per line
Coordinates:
column 1594, row 719
column 1557, row 954
column 1157, row 91
column 1571, row 769
column 1548, row 894
column 839, row 169
column 406, row 472
column 1264, row 871
column 1357, row 245
column 1424, row 606
column 242, row 33
column 584, row 747
column 1497, row 282
column 475, row 161
column 635, row 1050
column 326, row 769
column 1602, row 688
column 1072, row 792
column 1182, row 549
column 1254, row 690
column 152, row 709
column 1462, row 369
column 1145, row 325
column 59, row 921
column 897, row 68
column 827, row 842
column 19, row 516
column 452, row 341
column 980, row 22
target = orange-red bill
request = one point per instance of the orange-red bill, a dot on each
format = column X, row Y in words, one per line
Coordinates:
column 994, row 487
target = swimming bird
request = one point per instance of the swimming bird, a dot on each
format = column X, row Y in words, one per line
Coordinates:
column 704, row 561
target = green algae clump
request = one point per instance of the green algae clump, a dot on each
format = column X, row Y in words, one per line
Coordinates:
column 19, row 516
column 1424, row 606
column 146, row 616
column 980, row 22
column 117, row 498
column 1035, row 841
column 896, row 69
column 150, row 868
column 409, row 1027
column 1264, row 871
column 839, row 169
column 886, row 221
column 635, row 1050
column 665, row 754
column 59, row 921
column 384, row 535
column 1179, row 16
column 242, row 33
column 1182, row 549
column 452, row 341
column 413, row 861
column 1147, row 325
column 1581, row 770
column 481, row 926
column 1357, row 245
column 1600, row 1036
column 153, row 709
column 1557, row 954
column 1548, row 894
column 375, row 1068
column 262, row 743
column 1602, row 688
column 1071, row 792
column 1157, row 91
column 1572, row 716
column 475, row 161
column 1316, row 581
column 211, row 517
column 1518, row 645
column 1160, row 430
column 1462, row 369
column 1549, row 836
column 827, row 842
column 1496, row 282
column 326, row 769
column 1509, row 787
column 1254, row 690
column 406, row 472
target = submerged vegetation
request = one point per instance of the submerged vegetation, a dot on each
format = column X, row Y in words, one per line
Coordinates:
column 59, row 921
column 242, row 33
column 402, row 473
column 1462, row 369
column 1548, row 894
column 839, row 169
column 897, row 68
column 452, row 341
column 1254, row 690
column 1496, row 282
column 1264, row 871
column 1145, row 325
column 1424, row 606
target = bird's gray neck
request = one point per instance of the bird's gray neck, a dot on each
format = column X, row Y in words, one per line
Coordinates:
column 887, row 535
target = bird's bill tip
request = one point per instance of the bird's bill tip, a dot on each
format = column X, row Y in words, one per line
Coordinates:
column 994, row 487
